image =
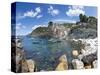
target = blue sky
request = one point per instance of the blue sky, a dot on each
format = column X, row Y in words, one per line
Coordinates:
column 31, row 15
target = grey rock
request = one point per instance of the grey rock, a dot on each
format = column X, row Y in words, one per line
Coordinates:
column 77, row 64
column 88, row 59
column 95, row 64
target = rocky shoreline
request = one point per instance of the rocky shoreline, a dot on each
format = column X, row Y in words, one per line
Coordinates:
column 85, row 59
column 19, row 62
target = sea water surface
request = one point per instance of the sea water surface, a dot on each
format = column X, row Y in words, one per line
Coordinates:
column 46, row 52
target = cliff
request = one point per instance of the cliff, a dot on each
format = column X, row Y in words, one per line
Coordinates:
column 82, row 29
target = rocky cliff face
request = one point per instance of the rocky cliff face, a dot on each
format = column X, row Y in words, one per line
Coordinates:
column 59, row 31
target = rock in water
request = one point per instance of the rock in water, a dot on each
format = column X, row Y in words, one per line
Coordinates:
column 63, row 58
column 94, row 64
column 28, row 65
column 75, row 53
column 18, row 43
column 63, row 64
column 31, row 65
column 24, row 66
column 19, row 57
column 80, row 56
column 77, row 64
column 83, row 51
column 89, row 58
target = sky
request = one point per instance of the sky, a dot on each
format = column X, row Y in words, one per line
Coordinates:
column 29, row 16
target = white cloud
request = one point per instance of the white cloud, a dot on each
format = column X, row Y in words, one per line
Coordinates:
column 75, row 10
column 20, row 26
column 38, row 10
column 53, row 11
column 39, row 16
column 32, row 13
column 36, row 26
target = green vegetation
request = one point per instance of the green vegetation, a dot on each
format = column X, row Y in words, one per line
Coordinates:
column 91, row 21
column 86, row 28
column 83, row 18
column 41, row 30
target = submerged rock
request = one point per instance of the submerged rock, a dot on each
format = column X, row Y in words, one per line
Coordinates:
column 63, row 64
column 77, row 64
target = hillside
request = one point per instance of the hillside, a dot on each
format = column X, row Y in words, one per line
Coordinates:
column 85, row 28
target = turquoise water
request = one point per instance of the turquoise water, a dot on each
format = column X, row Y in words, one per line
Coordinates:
column 46, row 52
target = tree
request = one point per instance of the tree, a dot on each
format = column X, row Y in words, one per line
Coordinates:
column 83, row 18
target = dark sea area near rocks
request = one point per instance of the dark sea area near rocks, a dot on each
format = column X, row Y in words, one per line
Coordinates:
column 46, row 52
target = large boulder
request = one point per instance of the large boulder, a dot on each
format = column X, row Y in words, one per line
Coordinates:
column 63, row 64
column 80, row 56
column 77, row 64
column 28, row 65
column 24, row 66
column 75, row 53
column 18, row 43
column 31, row 65
column 95, row 64
column 63, row 58
column 19, row 57
column 88, row 59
